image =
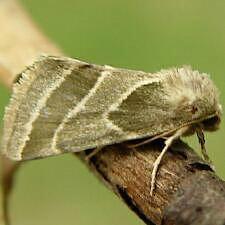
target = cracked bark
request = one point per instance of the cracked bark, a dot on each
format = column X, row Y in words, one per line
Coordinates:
column 187, row 191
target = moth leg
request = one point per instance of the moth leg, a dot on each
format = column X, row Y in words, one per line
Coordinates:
column 201, row 139
column 156, row 164
column 93, row 153
column 144, row 142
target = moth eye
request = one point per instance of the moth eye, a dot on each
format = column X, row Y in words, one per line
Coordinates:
column 194, row 109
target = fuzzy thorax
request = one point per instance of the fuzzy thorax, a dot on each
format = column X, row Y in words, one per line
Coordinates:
column 192, row 95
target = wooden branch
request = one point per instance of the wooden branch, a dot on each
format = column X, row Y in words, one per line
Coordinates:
column 20, row 41
column 187, row 191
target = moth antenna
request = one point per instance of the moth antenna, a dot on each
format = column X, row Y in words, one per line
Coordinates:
column 157, row 162
column 147, row 141
column 93, row 153
column 201, row 139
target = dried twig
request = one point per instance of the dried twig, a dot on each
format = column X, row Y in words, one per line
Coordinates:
column 187, row 191
column 9, row 169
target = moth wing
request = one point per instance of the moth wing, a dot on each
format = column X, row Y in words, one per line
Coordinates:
column 64, row 105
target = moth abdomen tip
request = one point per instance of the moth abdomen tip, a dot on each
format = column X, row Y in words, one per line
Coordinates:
column 85, row 66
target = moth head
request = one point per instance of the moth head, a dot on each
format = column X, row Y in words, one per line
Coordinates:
column 195, row 97
column 208, row 115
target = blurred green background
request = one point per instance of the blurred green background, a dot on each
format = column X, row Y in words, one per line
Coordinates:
column 138, row 34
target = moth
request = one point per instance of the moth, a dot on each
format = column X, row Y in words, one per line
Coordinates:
column 64, row 105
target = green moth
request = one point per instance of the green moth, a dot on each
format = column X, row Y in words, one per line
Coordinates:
column 63, row 105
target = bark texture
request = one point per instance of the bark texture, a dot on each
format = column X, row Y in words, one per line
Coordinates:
column 187, row 191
